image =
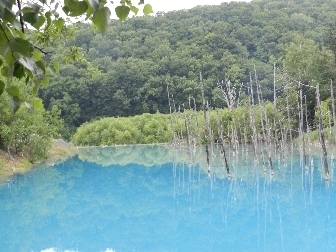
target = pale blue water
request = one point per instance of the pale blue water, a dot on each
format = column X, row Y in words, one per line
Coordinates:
column 129, row 203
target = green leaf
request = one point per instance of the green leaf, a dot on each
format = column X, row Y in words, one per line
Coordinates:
column 20, row 33
column 36, row 87
column 13, row 91
column 41, row 65
column 89, row 12
column 59, row 23
column 9, row 59
column 48, row 16
column 69, row 2
column 27, row 63
column 3, row 38
column 1, row 62
column 5, row 71
column 38, row 103
column 30, row 17
column 134, row 9
column 147, row 9
column 18, row 70
column 8, row 3
column 21, row 46
column 141, row 2
column 35, row 7
column 7, row 15
column 44, row 82
column 37, row 25
column 30, row 76
column 4, row 49
column 30, row 13
column 101, row 18
column 66, row 10
column 37, row 55
column 75, row 8
column 122, row 12
column 35, row 90
column 80, row 8
column 94, row 4
column 2, row 86
column 14, row 102
column 31, row 65
column 7, row 29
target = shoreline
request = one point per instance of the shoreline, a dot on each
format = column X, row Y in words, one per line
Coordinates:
column 61, row 151
column 11, row 166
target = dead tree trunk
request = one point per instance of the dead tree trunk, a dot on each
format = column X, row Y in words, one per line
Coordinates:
column 301, row 129
column 171, row 116
column 274, row 105
column 206, row 130
column 252, row 121
column 221, row 144
column 288, row 116
column 333, row 108
column 323, row 144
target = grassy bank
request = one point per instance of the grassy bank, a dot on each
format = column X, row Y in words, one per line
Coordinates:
column 20, row 164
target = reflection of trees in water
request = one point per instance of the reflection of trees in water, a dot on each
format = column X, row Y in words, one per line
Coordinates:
column 279, row 207
column 241, row 161
column 31, row 204
column 91, row 201
column 83, row 203
column 147, row 155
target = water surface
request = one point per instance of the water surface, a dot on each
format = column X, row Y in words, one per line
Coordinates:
column 155, row 198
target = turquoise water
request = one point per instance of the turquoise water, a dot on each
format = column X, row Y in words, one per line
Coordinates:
column 152, row 198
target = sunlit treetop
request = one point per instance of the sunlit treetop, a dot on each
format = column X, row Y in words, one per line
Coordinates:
column 30, row 28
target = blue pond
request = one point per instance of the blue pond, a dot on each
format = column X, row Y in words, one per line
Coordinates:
column 156, row 198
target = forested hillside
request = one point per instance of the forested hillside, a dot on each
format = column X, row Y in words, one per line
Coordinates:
column 126, row 71
column 30, row 33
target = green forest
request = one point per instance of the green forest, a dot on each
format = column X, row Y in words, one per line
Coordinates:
column 133, row 62
column 133, row 82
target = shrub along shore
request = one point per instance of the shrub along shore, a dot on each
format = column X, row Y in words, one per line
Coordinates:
column 245, row 124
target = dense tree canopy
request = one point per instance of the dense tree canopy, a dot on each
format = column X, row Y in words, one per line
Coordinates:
column 135, row 61
column 128, row 69
column 30, row 29
column 30, row 32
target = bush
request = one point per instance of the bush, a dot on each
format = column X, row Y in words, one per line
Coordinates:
column 38, row 147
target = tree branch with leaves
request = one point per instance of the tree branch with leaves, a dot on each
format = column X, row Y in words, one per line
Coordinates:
column 29, row 30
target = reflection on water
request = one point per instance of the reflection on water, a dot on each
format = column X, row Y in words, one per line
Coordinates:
column 155, row 198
